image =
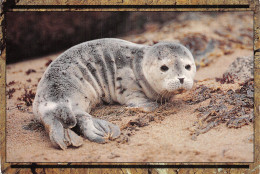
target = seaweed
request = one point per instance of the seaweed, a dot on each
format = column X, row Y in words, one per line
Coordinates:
column 34, row 125
column 10, row 93
column 201, row 94
column 226, row 78
column 29, row 71
column 10, row 83
column 234, row 108
column 140, row 121
column 48, row 63
column 27, row 97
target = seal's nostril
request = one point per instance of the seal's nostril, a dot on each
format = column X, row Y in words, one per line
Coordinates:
column 181, row 80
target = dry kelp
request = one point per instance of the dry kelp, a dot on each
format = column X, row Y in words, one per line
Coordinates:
column 10, row 83
column 227, row 78
column 201, row 93
column 34, row 125
column 27, row 97
column 234, row 108
column 138, row 119
column 10, row 92
column 29, row 71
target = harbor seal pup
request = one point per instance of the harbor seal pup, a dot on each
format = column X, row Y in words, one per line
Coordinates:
column 110, row 71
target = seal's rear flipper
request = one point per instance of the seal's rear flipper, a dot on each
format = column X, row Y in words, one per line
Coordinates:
column 75, row 140
column 60, row 137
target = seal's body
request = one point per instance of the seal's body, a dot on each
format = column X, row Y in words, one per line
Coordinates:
column 107, row 70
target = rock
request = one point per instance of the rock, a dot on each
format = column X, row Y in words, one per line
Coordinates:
column 242, row 68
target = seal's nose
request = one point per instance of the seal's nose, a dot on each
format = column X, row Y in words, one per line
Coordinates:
column 181, row 80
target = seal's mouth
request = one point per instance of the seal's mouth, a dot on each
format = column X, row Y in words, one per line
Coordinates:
column 179, row 91
column 167, row 94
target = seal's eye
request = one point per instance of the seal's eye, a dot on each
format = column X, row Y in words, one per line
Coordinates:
column 187, row 67
column 164, row 68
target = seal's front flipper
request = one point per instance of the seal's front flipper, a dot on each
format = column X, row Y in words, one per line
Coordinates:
column 141, row 104
column 112, row 131
column 97, row 130
column 60, row 137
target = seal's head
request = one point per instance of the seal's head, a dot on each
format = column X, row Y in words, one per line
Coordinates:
column 169, row 68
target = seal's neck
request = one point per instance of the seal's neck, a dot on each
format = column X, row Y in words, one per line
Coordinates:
column 138, row 71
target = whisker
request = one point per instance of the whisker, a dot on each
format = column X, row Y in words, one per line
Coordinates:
column 169, row 95
column 160, row 94
column 157, row 97
column 134, row 90
column 165, row 99
column 164, row 92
